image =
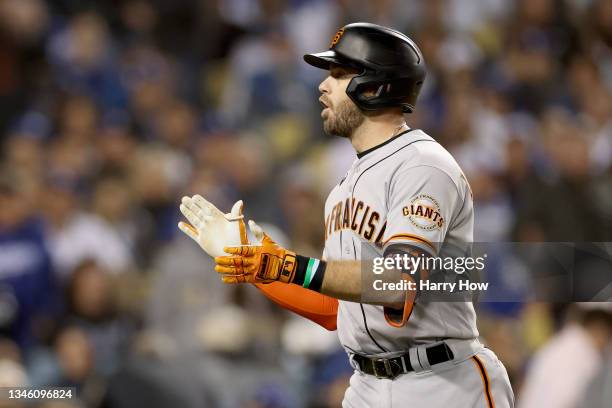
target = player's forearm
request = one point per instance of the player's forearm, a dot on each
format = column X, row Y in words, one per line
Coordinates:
column 343, row 280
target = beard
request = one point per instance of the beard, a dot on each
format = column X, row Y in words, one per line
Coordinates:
column 343, row 120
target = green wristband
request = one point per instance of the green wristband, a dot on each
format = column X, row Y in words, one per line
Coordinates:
column 311, row 269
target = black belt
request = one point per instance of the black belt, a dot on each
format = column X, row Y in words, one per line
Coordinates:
column 392, row 367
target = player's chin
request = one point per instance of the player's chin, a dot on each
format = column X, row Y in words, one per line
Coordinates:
column 328, row 127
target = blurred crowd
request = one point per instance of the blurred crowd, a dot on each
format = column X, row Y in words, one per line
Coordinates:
column 111, row 111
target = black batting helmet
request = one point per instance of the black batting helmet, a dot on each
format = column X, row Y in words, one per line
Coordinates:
column 389, row 63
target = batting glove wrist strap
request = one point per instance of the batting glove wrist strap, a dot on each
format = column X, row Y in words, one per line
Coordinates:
column 277, row 267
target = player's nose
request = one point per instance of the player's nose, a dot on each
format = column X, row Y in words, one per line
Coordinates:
column 324, row 85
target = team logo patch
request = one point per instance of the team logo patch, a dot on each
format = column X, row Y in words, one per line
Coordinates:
column 424, row 213
column 337, row 37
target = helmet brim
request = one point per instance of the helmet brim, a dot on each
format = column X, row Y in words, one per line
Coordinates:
column 323, row 60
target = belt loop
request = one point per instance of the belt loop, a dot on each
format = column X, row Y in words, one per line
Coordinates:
column 422, row 356
column 403, row 360
column 414, row 360
column 354, row 362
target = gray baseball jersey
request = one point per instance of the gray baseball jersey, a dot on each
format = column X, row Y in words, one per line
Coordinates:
column 408, row 190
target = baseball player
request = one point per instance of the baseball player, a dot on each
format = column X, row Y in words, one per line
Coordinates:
column 404, row 194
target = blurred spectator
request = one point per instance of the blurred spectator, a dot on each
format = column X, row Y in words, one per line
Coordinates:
column 23, row 25
column 92, row 307
column 495, row 214
column 28, row 290
column 76, row 362
column 12, row 372
column 81, row 56
column 113, row 202
column 75, row 235
column 155, row 375
column 568, row 185
column 299, row 198
column 156, row 176
column 259, row 79
column 115, row 145
column 561, row 371
column 599, row 391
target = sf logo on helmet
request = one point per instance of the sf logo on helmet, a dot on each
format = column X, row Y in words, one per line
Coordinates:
column 337, row 37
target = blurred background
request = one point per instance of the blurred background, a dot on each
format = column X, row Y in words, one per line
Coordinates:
column 111, row 111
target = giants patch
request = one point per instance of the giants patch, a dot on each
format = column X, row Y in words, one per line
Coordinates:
column 424, row 213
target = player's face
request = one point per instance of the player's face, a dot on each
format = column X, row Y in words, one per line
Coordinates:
column 340, row 114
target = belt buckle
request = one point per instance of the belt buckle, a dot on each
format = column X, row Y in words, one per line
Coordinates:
column 386, row 364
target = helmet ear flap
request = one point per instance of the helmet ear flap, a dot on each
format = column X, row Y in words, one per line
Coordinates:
column 364, row 92
column 371, row 93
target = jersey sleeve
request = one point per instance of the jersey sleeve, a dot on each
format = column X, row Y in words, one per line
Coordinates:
column 421, row 202
column 314, row 306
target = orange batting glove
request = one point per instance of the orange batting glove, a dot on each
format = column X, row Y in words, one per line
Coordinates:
column 264, row 263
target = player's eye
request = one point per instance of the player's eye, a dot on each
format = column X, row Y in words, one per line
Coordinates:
column 339, row 73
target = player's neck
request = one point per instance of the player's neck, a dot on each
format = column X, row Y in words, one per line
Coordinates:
column 376, row 130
